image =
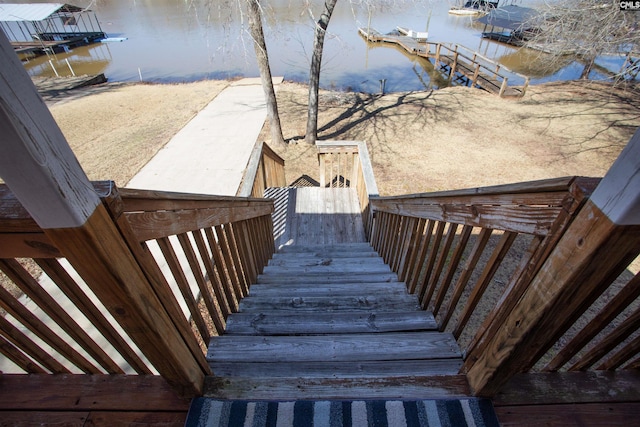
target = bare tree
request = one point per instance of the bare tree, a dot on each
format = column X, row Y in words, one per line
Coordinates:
column 586, row 28
column 314, row 72
column 260, row 47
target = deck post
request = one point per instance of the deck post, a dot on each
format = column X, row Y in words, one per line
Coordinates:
column 454, row 65
column 40, row 168
column 598, row 245
column 475, row 75
column 526, row 85
column 438, row 53
column 503, row 86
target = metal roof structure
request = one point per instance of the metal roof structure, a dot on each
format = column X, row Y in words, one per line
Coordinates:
column 13, row 12
column 511, row 17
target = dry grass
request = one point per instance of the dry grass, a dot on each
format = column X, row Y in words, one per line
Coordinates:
column 115, row 132
column 460, row 137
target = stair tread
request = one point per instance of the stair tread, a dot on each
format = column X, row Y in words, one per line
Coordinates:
column 322, row 277
column 334, row 289
column 261, row 388
column 333, row 347
column 321, row 369
column 331, row 303
column 344, row 322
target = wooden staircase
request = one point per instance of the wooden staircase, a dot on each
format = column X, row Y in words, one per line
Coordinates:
column 332, row 322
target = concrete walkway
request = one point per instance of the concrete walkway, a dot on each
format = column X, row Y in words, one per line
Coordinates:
column 209, row 155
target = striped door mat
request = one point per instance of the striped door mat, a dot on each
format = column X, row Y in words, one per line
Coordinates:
column 205, row 412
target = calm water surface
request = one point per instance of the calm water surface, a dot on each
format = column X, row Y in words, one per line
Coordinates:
column 187, row 40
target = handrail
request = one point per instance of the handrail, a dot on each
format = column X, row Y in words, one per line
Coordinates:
column 349, row 159
column 265, row 169
column 450, row 246
column 199, row 254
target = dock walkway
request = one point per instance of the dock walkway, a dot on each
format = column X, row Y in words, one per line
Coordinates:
column 457, row 62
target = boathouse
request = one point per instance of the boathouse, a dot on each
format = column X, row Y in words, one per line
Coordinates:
column 38, row 28
column 509, row 24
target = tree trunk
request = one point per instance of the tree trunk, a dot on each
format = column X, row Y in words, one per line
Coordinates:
column 314, row 73
column 588, row 66
column 260, row 46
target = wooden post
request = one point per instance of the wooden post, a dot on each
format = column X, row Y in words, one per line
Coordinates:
column 454, row 65
column 526, row 85
column 598, row 245
column 39, row 167
column 438, row 53
column 503, row 86
column 475, row 75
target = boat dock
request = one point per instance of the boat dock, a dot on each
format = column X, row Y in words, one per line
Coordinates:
column 459, row 63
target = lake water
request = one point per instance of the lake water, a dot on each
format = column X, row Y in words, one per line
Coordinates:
column 188, row 40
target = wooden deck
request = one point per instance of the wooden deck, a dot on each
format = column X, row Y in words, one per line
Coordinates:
column 472, row 69
column 316, row 216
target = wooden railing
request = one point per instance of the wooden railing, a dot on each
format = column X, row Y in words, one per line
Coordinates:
column 347, row 164
column 265, row 169
column 471, row 255
column 198, row 255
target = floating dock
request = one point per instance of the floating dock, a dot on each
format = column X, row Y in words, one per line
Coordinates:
column 459, row 63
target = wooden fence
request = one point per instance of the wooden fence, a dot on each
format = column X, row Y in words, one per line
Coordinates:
column 199, row 255
column 477, row 258
column 347, row 164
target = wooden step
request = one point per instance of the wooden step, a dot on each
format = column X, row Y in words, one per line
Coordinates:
column 314, row 261
column 414, row 386
column 320, row 278
column 325, row 254
column 328, row 249
column 348, row 322
column 356, row 369
column 328, row 289
column 331, row 303
column 369, row 267
column 335, row 348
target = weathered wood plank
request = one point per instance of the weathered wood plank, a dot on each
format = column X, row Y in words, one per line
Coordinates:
column 320, row 278
column 88, row 392
column 337, row 388
column 326, row 261
column 277, row 323
column 328, row 268
column 331, row 303
column 354, row 347
column 357, row 369
column 331, row 289
column 93, row 418
column 548, row 388
column 585, row 414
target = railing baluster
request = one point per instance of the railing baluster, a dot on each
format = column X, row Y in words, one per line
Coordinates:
column 221, row 269
column 209, row 266
column 414, row 278
column 617, row 305
column 47, row 304
column 422, row 292
column 183, row 285
column 235, row 269
column 33, row 350
column 187, row 247
column 12, row 353
column 453, row 267
column 42, row 331
column 487, row 274
column 410, row 248
column 63, row 280
column 470, row 265
column 442, row 259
